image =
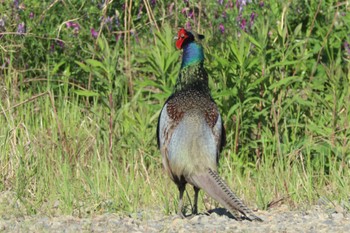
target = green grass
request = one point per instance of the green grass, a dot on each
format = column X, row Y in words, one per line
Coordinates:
column 79, row 121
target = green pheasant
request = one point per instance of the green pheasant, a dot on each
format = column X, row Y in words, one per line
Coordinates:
column 191, row 134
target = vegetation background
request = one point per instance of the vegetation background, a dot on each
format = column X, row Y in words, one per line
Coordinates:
column 82, row 84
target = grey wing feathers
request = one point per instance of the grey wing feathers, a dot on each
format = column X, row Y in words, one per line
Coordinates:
column 219, row 134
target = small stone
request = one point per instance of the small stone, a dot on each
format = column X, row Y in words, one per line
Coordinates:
column 196, row 219
column 177, row 222
column 339, row 209
column 337, row 216
column 56, row 204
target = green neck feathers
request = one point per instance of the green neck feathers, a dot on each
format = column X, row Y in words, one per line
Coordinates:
column 192, row 73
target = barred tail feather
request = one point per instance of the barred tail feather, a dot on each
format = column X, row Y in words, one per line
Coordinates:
column 215, row 186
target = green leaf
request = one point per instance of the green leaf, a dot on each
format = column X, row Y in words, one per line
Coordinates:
column 83, row 66
column 252, row 40
column 286, row 81
column 86, row 93
column 233, row 109
column 297, row 29
column 95, row 63
column 56, row 67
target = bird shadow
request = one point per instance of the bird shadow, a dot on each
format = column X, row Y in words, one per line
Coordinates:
column 223, row 212
column 220, row 212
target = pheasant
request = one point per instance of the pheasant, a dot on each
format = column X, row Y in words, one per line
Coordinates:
column 191, row 134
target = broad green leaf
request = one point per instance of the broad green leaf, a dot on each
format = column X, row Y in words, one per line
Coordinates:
column 95, row 63
column 56, row 67
column 83, row 66
column 285, row 81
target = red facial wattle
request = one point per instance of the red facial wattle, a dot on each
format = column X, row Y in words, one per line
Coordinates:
column 182, row 35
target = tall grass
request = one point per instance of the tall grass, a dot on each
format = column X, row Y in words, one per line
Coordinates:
column 79, row 110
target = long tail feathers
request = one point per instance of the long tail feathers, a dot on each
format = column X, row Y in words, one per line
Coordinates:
column 215, row 186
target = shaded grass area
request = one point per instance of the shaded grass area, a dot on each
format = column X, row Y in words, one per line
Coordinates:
column 78, row 131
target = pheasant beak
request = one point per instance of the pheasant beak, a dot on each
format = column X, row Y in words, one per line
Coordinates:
column 176, row 37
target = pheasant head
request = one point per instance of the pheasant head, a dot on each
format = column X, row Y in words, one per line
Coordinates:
column 190, row 42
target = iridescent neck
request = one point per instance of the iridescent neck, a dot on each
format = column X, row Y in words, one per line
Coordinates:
column 192, row 73
column 192, row 54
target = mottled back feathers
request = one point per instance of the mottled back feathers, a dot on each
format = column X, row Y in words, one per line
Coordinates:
column 182, row 102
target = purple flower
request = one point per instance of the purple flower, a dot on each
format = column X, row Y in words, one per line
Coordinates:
column 229, row 4
column 69, row 24
column 187, row 3
column 2, row 25
column 240, row 4
column 16, row 3
column 252, row 18
column 21, row 28
column 261, row 3
column 117, row 37
column 243, row 24
column 187, row 12
column 153, row 3
column 224, row 15
column 31, row 15
column 60, row 43
column 108, row 21
column 94, row 33
column 73, row 25
column 188, row 25
column 222, row 28
column 171, row 7
column 190, row 15
column 220, row 2
column 140, row 11
column 347, row 48
column 117, row 22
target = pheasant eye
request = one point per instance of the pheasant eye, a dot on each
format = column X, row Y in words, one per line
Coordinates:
column 182, row 35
